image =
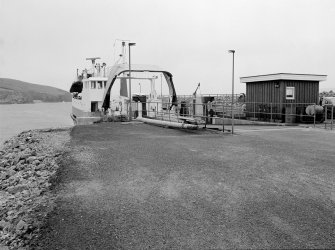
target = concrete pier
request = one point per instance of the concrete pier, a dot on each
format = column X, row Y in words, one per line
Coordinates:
column 136, row 186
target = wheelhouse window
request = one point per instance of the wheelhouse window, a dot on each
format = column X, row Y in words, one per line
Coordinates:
column 93, row 85
column 290, row 93
column 105, row 83
column 99, row 84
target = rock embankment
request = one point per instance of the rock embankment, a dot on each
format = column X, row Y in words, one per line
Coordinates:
column 28, row 164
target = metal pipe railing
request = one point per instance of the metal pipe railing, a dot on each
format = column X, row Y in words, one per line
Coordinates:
column 218, row 112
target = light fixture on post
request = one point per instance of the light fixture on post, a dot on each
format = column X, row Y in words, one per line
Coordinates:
column 232, row 94
column 130, row 108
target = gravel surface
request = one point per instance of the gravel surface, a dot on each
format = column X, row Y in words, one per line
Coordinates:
column 136, row 186
column 28, row 164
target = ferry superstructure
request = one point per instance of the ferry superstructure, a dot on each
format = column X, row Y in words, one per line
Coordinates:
column 87, row 93
column 103, row 90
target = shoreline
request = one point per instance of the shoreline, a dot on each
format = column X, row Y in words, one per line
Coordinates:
column 29, row 163
column 22, row 117
column 32, row 103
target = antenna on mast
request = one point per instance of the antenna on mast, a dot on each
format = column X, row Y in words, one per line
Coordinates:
column 93, row 59
column 123, row 51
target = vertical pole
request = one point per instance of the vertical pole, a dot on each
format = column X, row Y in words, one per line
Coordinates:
column 130, row 109
column 232, row 100
column 254, row 110
column 169, row 111
column 292, row 112
column 176, row 112
column 206, row 111
column 314, row 115
column 325, row 117
column 271, row 112
column 161, row 88
column 222, row 115
column 193, row 106
column 332, row 116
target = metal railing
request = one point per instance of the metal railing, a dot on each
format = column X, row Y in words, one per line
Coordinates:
column 329, row 115
column 219, row 112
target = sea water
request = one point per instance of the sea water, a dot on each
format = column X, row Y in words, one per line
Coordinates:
column 15, row 118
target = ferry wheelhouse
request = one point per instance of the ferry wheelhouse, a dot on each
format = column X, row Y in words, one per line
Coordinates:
column 87, row 93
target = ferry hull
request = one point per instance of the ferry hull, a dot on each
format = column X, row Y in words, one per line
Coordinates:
column 80, row 117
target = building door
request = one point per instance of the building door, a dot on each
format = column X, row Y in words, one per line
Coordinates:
column 94, row 106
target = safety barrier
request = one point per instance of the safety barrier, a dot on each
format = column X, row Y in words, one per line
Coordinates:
column 222, row 112
column 329, row 115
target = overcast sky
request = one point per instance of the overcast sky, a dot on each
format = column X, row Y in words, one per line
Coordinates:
column 44, row 41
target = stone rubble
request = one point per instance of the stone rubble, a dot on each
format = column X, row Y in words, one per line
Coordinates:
column 28, row 162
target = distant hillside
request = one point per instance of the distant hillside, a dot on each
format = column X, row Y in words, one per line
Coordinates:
column 14, row 91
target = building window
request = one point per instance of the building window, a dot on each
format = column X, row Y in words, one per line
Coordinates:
column 290, row 93
column 93, row 86
column 99, row 84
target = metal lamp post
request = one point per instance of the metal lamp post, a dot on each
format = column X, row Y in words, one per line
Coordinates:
column 161, row 88
column 130, row 108
column 232, row 96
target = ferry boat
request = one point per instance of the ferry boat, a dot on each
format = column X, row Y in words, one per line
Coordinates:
column 103, row 91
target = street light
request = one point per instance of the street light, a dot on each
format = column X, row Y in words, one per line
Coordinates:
column 130, row 108
column 232, row 95
column 161, row 88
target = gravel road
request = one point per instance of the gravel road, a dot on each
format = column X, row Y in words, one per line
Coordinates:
column 136, row 186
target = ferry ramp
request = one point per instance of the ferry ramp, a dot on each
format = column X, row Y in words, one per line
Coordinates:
column 136, row 186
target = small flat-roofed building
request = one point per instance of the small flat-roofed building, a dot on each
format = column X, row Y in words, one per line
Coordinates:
column 281, row 93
